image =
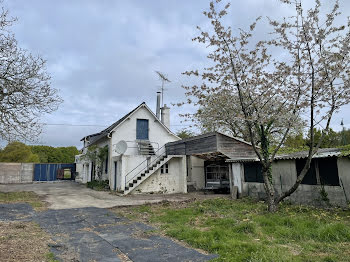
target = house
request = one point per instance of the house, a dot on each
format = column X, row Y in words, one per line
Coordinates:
column 144, row 156
column 137, row 159
column 329, row 171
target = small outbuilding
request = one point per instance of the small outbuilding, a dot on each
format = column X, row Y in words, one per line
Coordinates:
column 206, row 159
column 328, row 179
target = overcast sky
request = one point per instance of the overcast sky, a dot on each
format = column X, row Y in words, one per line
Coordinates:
column 102, row 55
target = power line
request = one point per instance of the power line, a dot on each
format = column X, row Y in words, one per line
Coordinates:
column 64, row 124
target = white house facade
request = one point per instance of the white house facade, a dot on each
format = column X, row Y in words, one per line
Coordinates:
column 137, row 161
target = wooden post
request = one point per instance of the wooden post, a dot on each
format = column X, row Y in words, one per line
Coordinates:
column 233, row 188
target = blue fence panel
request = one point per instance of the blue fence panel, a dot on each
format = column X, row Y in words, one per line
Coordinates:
column 48, row 172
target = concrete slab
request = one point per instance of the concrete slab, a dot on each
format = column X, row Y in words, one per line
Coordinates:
column 69, row 194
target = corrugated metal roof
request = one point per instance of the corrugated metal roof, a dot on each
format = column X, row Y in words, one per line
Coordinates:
column 321, row 153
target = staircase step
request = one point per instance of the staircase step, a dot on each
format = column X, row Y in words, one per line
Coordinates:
column 134, row 181
column 131, row 184
column 143, row 174
column 139, row 178
column 126, row 188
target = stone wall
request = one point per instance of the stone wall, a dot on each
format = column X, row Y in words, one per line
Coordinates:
column 14, row 173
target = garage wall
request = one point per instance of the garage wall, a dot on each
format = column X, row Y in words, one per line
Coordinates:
column 196, row 172
column 14, row 173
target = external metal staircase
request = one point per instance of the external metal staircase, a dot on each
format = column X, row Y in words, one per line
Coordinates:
column 133, row 179
column 145, row 148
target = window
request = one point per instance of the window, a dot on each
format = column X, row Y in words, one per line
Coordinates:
column 216, row 172
column 310, row 177
column 142, row 129
column 106, row 164
column 328, row 170
column 323, row 171
column 164, row 169
column 253, row 172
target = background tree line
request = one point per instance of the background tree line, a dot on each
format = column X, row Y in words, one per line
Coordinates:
column 21, row 153
column 331, row 139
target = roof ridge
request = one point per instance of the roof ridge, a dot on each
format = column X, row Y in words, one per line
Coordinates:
column 115, row 123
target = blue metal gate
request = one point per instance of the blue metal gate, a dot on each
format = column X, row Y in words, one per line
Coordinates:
column 49, row 172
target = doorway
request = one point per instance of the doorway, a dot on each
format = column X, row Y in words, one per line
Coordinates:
column 142, row 129
column 115, row 175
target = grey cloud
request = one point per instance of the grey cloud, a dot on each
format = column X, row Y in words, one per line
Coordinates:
column 102, row 54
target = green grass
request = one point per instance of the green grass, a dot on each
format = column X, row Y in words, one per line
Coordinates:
column 243, row 230
column 50, row 257
column 25, row 197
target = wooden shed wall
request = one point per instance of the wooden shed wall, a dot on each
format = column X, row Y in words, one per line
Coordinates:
column 202, row 144
column 234, row 148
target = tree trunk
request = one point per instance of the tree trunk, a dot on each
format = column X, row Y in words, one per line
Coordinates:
column 272, row 206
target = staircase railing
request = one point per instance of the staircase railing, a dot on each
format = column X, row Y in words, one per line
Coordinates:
column 148, row 162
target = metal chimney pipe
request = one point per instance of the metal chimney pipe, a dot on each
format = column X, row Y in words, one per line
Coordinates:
column 158, row 105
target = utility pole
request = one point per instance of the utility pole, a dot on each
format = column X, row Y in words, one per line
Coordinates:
column 343, row 133
column 164, row 79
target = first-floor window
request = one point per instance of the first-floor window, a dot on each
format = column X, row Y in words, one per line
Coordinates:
column 164, row 169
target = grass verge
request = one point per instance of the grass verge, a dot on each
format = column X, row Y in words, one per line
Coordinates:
column 243, row 230
column 23, row 197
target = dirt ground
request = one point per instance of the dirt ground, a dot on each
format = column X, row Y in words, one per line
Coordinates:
column 23, row 241
column 69, row 194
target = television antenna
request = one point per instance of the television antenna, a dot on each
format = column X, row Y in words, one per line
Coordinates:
column 164, row 80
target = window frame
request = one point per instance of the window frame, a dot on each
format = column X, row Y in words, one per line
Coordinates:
column 164, row 169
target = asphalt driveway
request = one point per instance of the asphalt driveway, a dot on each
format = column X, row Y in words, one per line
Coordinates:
column 69, row 194
column 83, row 229
column 96, row 234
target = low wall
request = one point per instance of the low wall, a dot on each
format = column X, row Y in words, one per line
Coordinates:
column 14, row 173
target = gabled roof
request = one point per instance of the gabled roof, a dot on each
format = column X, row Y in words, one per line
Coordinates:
column 97, row 136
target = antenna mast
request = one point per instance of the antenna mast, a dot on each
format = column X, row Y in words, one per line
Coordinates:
column 164, row 79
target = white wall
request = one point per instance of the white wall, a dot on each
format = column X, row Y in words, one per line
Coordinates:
column 196, row 172
column 170, row 183
column 238, row 176
column 344, row 175
column 127, row 131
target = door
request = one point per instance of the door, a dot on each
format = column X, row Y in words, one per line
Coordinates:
column 115, row 175
column 142, row 129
